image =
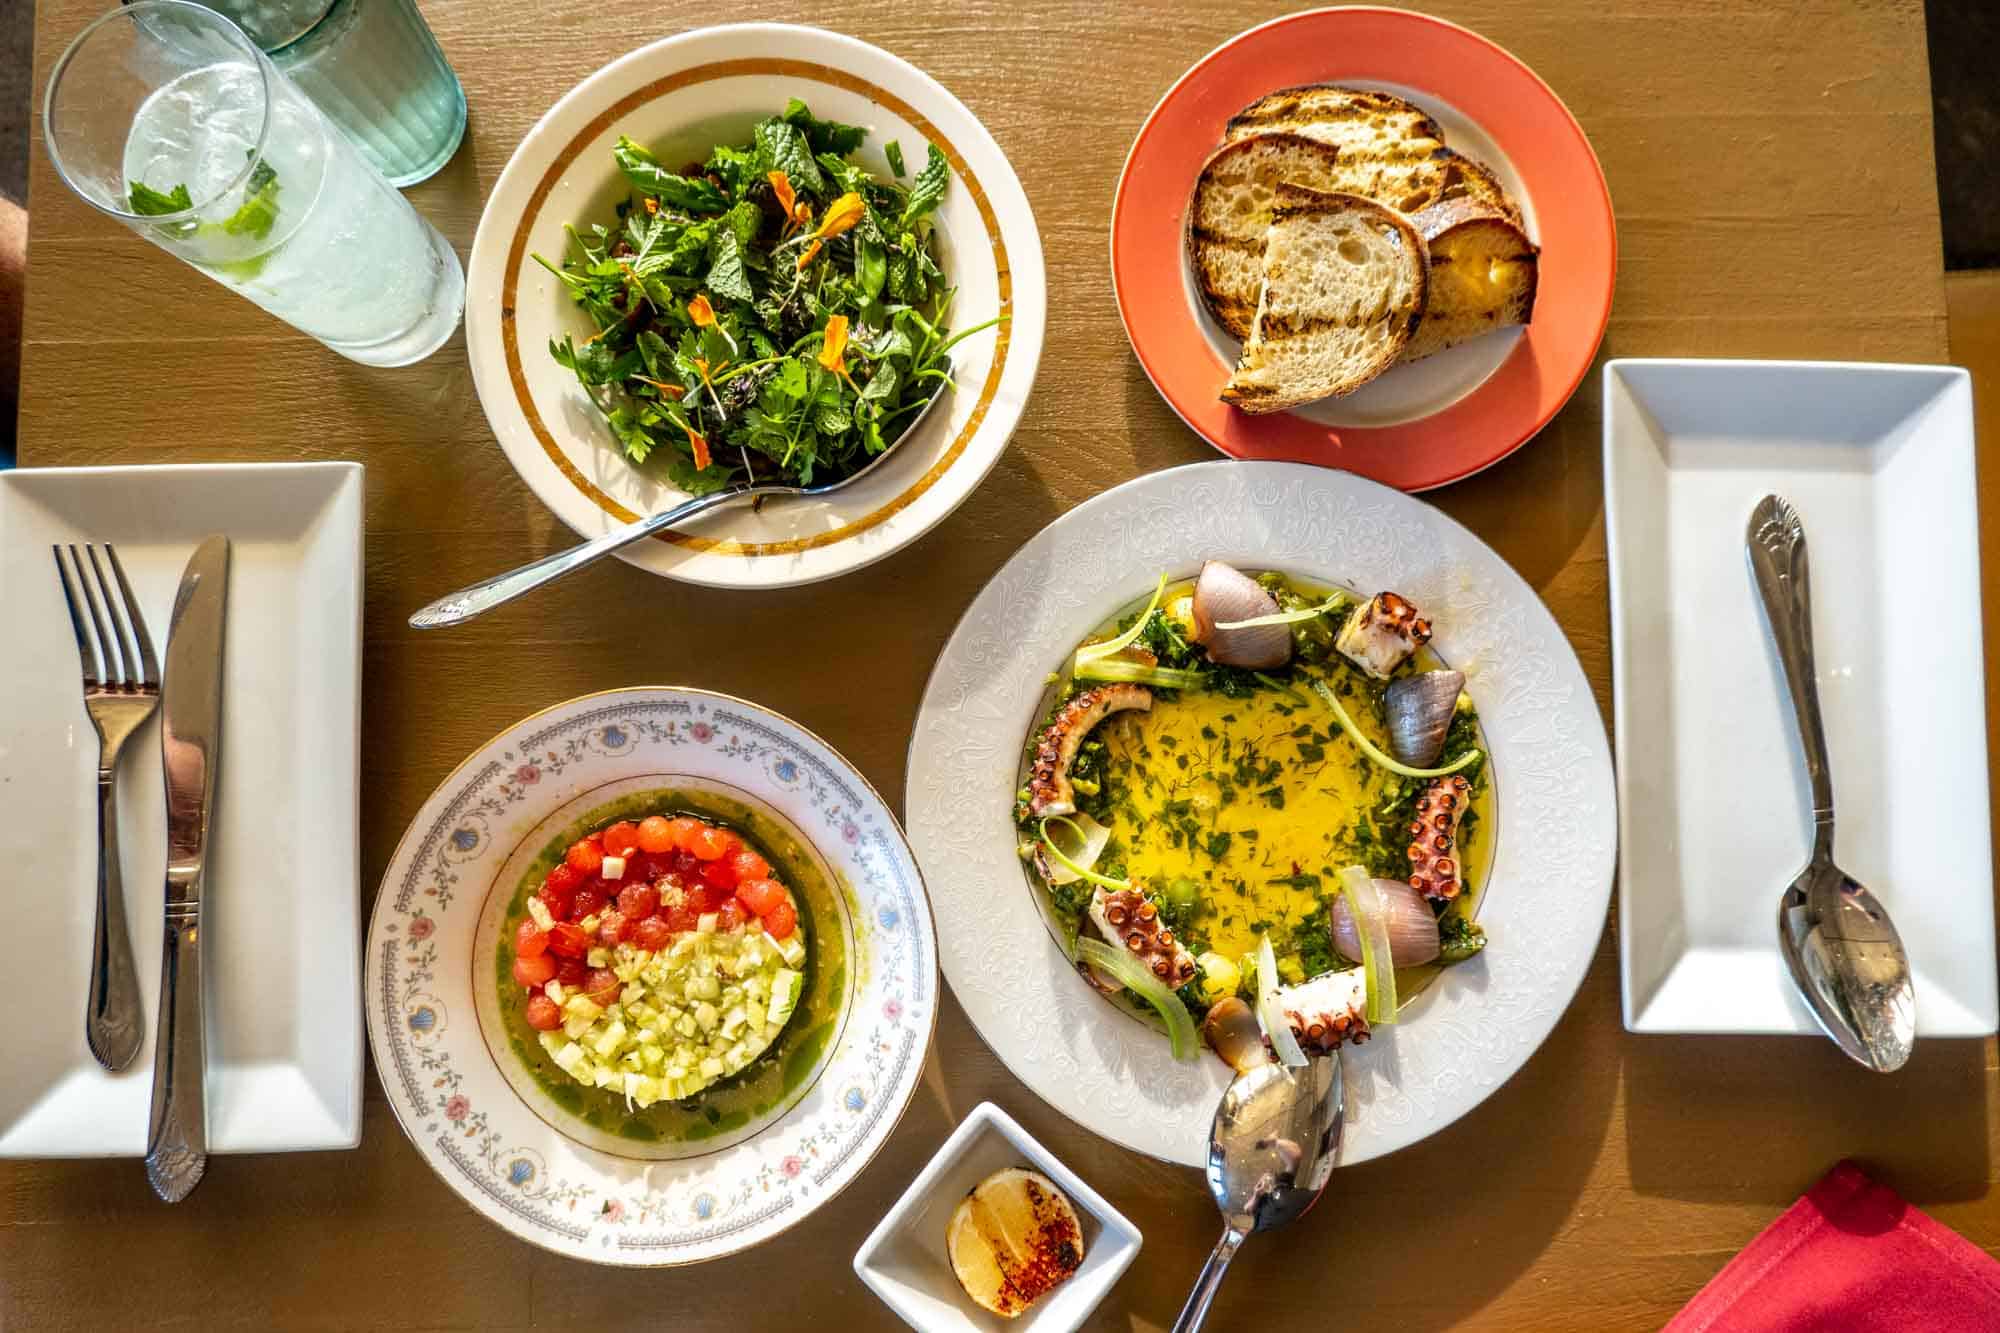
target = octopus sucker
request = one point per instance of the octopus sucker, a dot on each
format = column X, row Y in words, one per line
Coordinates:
column 1381, row 633
column 1327, row 1010
column 1129, row 920
column 1049, row 789
column 1435, row 871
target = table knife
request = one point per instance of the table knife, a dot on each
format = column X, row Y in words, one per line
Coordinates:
column 190, row 746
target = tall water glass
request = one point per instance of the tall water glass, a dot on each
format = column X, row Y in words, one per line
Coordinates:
column 166, row 116
column 375, row 70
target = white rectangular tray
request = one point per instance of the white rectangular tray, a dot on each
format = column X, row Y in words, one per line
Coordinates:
column 1714, row 811
column 282, row 912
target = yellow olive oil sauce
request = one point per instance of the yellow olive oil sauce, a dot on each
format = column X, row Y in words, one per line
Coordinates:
column 1260, row 802
column 776, row 1077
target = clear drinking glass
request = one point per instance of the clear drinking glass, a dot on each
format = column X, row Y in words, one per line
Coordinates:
column 166, row 116
column 375, row 70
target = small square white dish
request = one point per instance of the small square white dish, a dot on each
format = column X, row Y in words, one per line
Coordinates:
column 281, row 914
column 1714, row 809
column 903, row 1260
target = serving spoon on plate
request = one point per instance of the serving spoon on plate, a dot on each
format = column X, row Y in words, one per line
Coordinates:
column 1271, row 1152
column 1843, row 950
column 483, row 596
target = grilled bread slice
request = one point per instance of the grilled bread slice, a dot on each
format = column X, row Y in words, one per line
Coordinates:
column 1344, row 288
column 1394, row 151
column 1231, row 211
column 1483, row 271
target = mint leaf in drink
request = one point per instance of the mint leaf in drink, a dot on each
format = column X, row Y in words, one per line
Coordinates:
column 259, row 210
column 927, row 189
column 691, row 193
column 895, row 154
column 149, row 202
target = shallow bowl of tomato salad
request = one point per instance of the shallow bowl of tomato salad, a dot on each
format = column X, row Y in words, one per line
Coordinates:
column 652, row 974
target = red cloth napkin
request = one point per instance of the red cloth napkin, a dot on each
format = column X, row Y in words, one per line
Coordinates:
column 1850, row 1257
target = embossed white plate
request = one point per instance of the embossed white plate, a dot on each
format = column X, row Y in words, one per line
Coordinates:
column 431, row 1028
column 1557, row 821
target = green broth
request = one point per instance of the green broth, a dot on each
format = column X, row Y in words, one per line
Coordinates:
column 776, row 1074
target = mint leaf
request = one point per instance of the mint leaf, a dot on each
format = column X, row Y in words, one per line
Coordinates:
column 649, row 177
column 928, row 188
column 826, row 136
column 895, row 153
column 726, row 275
column 871, row 269
column 788, row 151
column 149, row 202
column 257, row 214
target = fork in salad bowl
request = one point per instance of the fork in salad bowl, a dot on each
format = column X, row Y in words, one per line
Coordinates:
column 121, row 689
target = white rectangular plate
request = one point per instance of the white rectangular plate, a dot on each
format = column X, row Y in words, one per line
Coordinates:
column 282, row 909
column 1713, row 806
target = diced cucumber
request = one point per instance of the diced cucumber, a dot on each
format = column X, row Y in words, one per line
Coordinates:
column 537, row 910
column 785, row 989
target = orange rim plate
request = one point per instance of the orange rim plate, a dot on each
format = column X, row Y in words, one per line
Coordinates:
column 1492, row 399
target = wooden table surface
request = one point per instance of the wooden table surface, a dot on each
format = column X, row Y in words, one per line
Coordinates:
column 1772, row 170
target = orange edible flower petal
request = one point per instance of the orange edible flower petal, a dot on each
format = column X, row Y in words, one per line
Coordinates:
column 700, row 311
column 810, row 251
column 670, row 390
column 841, row 215
column 699, row 445
column 833, row 352
column 788, row 198
column 652, row 205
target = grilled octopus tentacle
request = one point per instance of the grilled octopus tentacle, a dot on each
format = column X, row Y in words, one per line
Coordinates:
column 1435, row 870
column 1049, row 790
column 1327, row 1010
column 1129, row 920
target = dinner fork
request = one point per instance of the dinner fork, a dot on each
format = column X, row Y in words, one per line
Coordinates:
column 121, row 689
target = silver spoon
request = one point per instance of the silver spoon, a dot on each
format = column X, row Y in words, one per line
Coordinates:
column 1271, row 1152
column 1844, row 953
column 483, row 596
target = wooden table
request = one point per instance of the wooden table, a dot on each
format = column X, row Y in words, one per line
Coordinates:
column 1772, row 169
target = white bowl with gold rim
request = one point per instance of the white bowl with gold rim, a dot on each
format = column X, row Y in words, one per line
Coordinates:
column 681, row 96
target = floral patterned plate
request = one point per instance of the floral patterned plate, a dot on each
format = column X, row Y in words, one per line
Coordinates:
column 433, row 1008
column 1554, row 851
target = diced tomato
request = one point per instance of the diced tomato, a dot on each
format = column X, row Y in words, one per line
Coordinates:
column 638, row 901
column 611, row 929
column 648, row 866
column 590, row 900
column 685, row 862
column 567, row 940
column 621, row 839
column 529, row 939
column 601, row 986
column 543, row 1014
column 652, row 934
column 571, row 971
column 781, row 920
column 656, row 834
column 680, row 920
column 563, row 879
column 685, row 827
column 585, row 857
column 534, row 971
column 748, row 865
column 733, row 914
column 761, row 895
column 721, row 873
column 712, row 844
column 706, row 897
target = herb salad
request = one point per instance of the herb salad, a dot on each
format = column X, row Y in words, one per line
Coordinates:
column 775, row 313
